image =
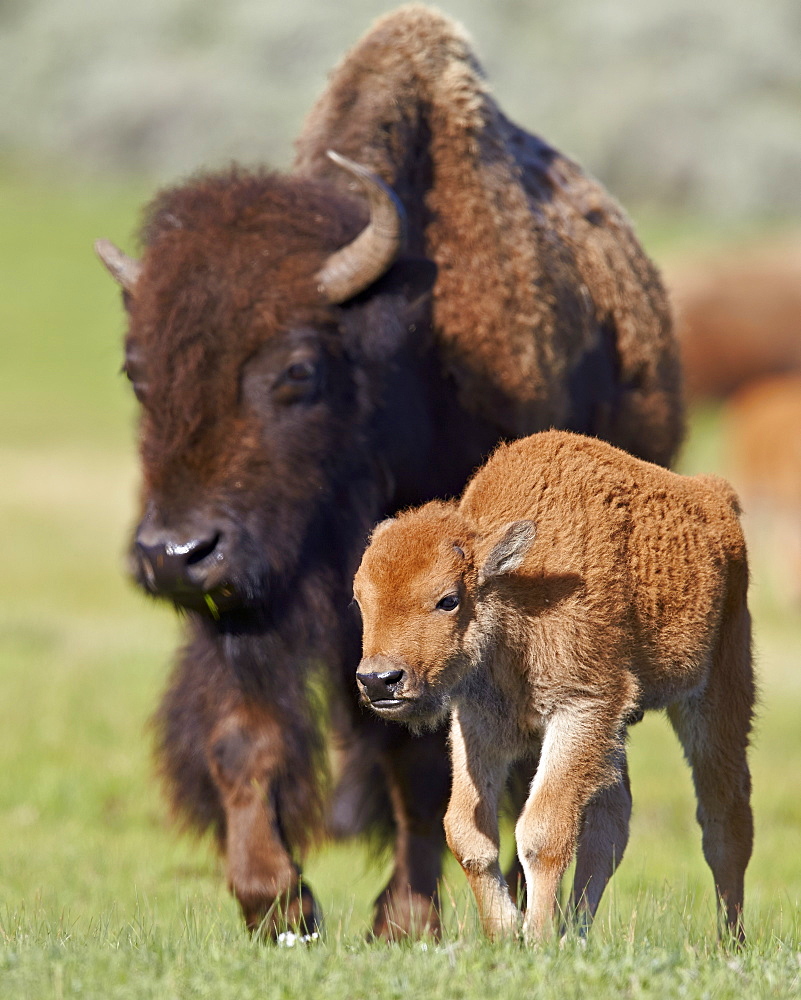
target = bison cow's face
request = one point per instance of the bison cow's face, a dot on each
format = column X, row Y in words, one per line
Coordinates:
column 425, row 588
column 250, row 349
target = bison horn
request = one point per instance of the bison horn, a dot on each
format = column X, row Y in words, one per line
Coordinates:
column 124, row 269
column 357, row 265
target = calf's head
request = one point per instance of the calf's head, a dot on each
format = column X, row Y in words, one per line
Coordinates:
column 422, row 588
column 259, row 314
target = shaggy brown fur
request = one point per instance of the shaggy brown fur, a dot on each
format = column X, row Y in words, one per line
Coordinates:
column 536, row 263
column 762, row 423
column 280, row 422
column 572, row 588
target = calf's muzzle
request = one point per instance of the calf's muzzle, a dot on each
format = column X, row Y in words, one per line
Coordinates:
column 380, row 680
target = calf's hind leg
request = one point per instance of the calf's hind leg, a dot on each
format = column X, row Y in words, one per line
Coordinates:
column 717, row 756
column 603, row 836
column 714, row 728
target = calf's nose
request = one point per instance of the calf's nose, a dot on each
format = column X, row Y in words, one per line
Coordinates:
column 380, row 685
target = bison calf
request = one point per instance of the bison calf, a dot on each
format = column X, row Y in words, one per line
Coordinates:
column 570, row 589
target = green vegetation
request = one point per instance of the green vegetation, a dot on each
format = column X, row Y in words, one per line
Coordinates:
column 684, row 106
column 99, row 896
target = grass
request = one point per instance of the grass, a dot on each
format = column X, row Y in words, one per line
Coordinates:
column 100, row 897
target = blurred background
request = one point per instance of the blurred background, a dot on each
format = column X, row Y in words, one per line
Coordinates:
column 689, row 112
column 686, row 107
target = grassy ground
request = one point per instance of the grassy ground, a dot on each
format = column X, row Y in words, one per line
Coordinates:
column 99, row 896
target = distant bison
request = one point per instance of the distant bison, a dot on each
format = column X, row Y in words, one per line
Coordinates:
column 738, row 316
column 762, row 423
column 313, row 352
column 572, row 588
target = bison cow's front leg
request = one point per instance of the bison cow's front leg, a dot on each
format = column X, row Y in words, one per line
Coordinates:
column 245, row 757
column 417, row 775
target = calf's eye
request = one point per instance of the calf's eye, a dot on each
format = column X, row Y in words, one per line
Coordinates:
column 448, row 603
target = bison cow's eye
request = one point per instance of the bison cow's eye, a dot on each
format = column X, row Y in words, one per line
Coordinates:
column 133, row 368
column 137, row 384
column 448, row 603
column 298, row 382
column 301, row 372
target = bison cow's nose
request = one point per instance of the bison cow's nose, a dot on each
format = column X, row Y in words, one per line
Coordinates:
column 172, row 563
column 380, row 686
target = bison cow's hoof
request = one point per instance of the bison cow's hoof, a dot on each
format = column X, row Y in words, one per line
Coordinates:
column 405, row 914
column 293, row 912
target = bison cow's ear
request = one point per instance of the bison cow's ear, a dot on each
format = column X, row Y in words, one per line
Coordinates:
column 510, row 551
column 410, row 281
column 393, row 311
column 415, row 277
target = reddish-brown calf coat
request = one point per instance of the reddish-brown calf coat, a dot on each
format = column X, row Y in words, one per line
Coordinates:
column 632, row 596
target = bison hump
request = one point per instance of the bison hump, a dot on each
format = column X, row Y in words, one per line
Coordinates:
column 534, row 258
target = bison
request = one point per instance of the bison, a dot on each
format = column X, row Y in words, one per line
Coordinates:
column 761, row 422
column 313, row 351
column 570, row 589
column 738, row 316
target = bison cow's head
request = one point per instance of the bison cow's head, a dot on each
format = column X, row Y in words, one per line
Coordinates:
column 260, row 317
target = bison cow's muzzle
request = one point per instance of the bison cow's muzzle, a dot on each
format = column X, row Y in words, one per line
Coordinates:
column 189, row 565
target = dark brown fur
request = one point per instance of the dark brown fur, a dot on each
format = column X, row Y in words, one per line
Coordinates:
column 277, row 426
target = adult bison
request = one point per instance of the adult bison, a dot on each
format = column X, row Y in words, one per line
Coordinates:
column 738, row 316
column 314, row 351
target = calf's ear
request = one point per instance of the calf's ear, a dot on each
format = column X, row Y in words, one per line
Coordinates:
column 509, row 551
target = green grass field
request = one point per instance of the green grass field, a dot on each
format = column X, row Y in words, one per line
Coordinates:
column 100, row 896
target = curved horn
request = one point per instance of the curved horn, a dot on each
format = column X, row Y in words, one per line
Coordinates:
column 358, row 264
column 124, row 269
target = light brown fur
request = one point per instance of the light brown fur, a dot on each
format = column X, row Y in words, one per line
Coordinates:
column 591, row 586
column 537, row 263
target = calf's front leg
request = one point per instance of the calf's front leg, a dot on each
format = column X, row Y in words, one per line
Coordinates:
column 577, row 761
column 471, row 824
